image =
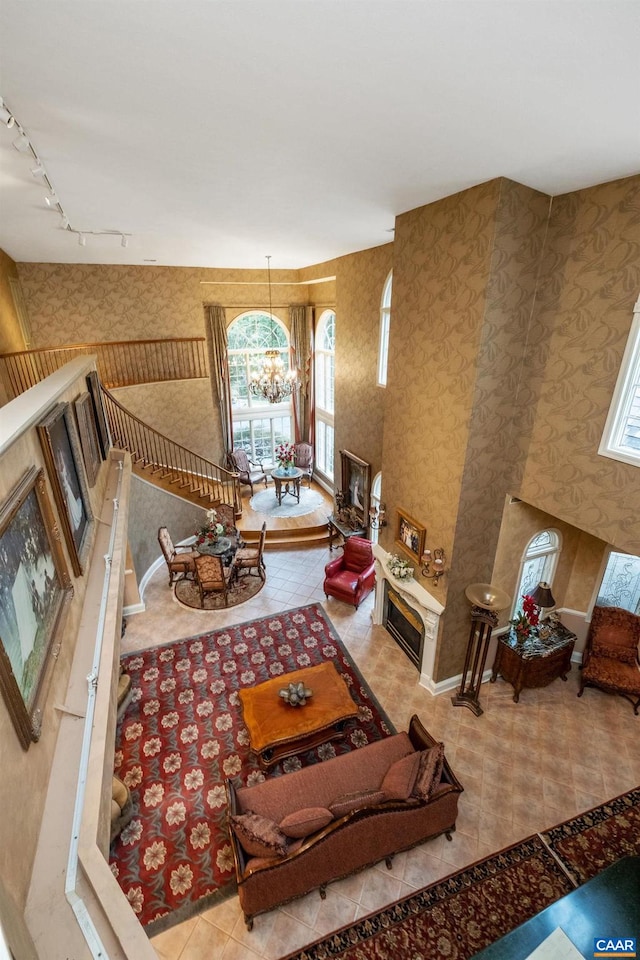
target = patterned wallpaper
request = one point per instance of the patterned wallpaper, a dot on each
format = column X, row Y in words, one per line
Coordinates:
column 584, row 308
column 10, row 334
column 359, row 401
column 181, row 410
column 151, row 508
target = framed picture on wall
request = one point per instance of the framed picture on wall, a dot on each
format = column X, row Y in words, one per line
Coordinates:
column 93, row 386
column 410, row 535
column 88, row 436
column 35, row 589
column 356, row 482
column 63, row 458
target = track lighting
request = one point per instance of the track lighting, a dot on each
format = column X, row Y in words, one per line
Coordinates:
column 6, row 116
column 38, row 170
column 82, row 240
column 21, row 143
column 64, row 221
column 51, row 200
column 124, row 242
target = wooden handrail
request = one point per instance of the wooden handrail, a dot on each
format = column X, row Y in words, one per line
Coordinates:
column 155, row 455
column 120, row 363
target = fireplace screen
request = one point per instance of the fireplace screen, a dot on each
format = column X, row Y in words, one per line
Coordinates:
column 404, row 625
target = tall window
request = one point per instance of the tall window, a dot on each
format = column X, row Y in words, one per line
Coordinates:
column 621, row 436
column 325, row 366
column 385, row 320
column 539, row 562
column 374, row 501
column 258, row 426
column 620, row 585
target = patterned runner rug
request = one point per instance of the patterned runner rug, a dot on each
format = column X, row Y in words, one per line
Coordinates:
column 590, row 842
column 183, row 734
column 456, row 917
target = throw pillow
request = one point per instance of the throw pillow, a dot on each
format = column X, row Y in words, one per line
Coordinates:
column 429, row 771
column 401, row 777
column 303, row 822
column 352, row 801
column 259, row 836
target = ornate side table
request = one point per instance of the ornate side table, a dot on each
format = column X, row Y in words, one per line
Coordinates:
column 536, row 661
column 287, row 482
column 341, row 529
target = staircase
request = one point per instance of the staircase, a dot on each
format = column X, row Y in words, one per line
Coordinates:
column 167, row 464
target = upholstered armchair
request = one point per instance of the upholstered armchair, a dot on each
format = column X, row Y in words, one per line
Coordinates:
column 180, row 560
column 351, row 577
column 248, row 471
column 610, row 659
column 304, row 460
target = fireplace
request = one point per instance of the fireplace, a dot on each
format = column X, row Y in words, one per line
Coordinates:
column 404, row 624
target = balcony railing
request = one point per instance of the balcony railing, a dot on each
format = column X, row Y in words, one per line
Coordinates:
column 120, row 363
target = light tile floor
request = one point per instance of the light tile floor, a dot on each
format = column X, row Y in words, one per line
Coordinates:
column 524, row 766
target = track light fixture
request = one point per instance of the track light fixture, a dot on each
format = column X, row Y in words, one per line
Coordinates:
column 6, row 116
column 23, row 144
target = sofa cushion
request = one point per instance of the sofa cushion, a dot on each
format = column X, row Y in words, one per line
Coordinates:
column 615, row 651
column 400, row 777
column 429, row 771
column 303, row 822
column 353, row 801
column 259, row 836
column 320, row 783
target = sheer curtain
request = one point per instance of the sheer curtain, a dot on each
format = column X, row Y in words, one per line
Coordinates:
column 301, row 321
column 219, row 367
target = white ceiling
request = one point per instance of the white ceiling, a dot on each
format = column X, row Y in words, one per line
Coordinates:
column 220, row 131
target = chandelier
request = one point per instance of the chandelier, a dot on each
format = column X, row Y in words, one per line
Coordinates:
column 272, row 382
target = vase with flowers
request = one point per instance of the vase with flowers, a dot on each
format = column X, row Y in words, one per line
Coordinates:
column 286, row 457
column 527, row 619
column 210, row 531
column 399, row 568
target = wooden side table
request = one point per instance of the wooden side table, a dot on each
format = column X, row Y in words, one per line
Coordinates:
column 341, row 529
column 536, row 661
column 287, row 483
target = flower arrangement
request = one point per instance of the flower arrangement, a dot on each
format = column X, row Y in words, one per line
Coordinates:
column 529, row 617
column 286, row 455
column 399, row 568
column 210, row 531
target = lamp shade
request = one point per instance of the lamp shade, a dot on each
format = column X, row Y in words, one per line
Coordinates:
column 542, row 595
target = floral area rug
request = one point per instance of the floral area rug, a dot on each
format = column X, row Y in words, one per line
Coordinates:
column 243, row 589
column 590, row 842
column 183, row 734
column 455, row 917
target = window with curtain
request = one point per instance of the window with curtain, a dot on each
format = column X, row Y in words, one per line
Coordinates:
column 385, row 320
column 325, row 363
column 621, row 436
column 538, row 563
column 258, row 426
column 374, row 501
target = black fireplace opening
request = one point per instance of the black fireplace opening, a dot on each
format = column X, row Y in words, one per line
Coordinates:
column 404, row 624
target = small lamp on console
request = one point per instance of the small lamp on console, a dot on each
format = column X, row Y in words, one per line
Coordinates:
column 433, row 559
column 542, row 597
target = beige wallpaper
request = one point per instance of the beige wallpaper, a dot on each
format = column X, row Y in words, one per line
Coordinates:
column 584, row 307
column 359, row 401
column 181, row 410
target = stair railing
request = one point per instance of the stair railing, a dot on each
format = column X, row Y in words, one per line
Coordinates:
column 154, row 454
column 120, row 363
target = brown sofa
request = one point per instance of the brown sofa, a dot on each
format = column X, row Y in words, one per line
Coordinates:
column 372, row 829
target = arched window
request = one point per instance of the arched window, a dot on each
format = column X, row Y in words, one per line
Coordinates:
column 325, row 365
column 621, row 436
column 374, row 501
column 385, row 320
column 258, row 426
column 539, row 562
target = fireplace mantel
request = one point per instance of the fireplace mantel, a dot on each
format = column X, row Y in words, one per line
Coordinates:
column 426, row 606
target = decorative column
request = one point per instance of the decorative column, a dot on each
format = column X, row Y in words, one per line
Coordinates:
column 486, row 600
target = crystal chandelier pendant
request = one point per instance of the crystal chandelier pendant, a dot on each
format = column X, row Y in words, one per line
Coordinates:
column 272, row 382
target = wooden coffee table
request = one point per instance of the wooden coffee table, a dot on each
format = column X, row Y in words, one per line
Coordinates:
column 277, row 730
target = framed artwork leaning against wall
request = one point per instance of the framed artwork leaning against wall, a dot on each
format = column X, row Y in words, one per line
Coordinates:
column 35, row 590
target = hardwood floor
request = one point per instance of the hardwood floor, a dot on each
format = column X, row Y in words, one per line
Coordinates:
column 286, row 531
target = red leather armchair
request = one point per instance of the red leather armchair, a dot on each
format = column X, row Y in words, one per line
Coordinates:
column 351, row 577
